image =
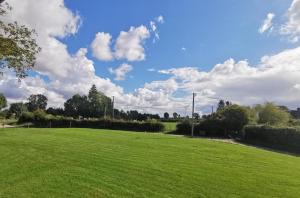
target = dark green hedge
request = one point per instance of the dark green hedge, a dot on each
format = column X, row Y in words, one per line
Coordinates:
column 46, row 121
column 209, row 128
column 283, row 138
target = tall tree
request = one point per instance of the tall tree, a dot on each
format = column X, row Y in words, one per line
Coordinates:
column 221, row 105
column 18, row 48
column 175, row 115
column 36, row 102
column 166, row 115
column 272, row 115
column 17, row 109
column 100, row 104
column 77, row 106
column 3, row 102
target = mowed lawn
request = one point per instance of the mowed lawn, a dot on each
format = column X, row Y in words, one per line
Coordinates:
column 104, row 163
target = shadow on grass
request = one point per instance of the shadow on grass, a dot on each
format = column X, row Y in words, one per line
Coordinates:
column 282, row 149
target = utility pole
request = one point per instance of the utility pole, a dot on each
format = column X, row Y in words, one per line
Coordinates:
column 212, row 109
column 193, row 112
column 113, row 111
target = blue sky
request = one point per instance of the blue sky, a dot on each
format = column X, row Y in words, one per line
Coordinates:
column 211, row 32
column 247, row 52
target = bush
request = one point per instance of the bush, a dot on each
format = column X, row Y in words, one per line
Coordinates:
column 234, row 118
column 212, row 127
column 272, row 115
column 227, row 121
column 26, row 117
column 184, row 127
column 41, row 119
column 284, row 138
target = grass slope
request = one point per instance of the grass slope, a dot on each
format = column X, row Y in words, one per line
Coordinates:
column 103, row 163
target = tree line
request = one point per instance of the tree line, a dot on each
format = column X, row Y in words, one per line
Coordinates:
column 93, row 105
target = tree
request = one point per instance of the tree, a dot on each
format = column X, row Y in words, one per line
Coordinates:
column 272, row 115
column 100, row 104
column 166, row 115
column 3, row 102
column 234, row 117
column 175, row 115
column 36, row 102
column 221, row 105
column 17, row 109
column 18, row 48
column 55, row 111
column 77, row 106
column 196, row 116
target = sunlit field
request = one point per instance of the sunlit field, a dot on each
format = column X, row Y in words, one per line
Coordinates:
column 104, row 163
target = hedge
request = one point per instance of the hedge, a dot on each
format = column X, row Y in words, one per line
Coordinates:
column 46, row 121
column 209, row 128
column 283, row 138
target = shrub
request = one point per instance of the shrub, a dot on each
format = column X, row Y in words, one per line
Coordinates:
column 184, row 127
column 213, row 127
column 41, row 119
column 26, row 117
column 234, row 118
column 272, row 115
column 285, row 138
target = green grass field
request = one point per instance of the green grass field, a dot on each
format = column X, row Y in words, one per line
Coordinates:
column 103, row 163
column 170, row 126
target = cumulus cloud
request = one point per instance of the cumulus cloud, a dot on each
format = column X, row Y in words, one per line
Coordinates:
column 67, row 73
column 267, row 24
column 292, row 27
column 121, row 71
column 129, row 45
column 101, row 46
column 243, row 83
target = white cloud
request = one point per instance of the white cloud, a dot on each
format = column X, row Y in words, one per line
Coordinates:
column 275, row 78
column 101, row 46
column 183, row 49
column 129, row 45
column 68, row 74
column 240, row 82
column 292, row 27
column 121, row 71
column 160, row 19
column 267, row 24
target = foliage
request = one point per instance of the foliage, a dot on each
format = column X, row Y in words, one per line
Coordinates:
column 26, row 117
column 175, row 115
column 18, row 47
column 285, row 138
column 184, row 127
column 227, row 121
column 55, row 111
column 166, row 115
column 272, row 115
column 36, row 102
column 99, row 104
column 41, row 119
column 234, row 117
column 77, row 106
column 3, row 102
column 16, row 109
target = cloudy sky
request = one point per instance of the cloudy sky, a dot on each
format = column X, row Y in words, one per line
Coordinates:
column 151, row 55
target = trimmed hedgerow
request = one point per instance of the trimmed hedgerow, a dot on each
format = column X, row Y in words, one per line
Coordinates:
column 43, row 120
column 284, row 138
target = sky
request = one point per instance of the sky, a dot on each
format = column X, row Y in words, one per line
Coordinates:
column 152, row 55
